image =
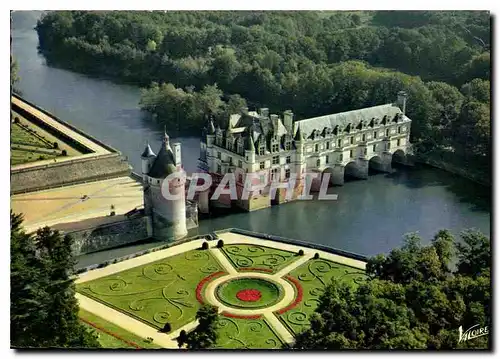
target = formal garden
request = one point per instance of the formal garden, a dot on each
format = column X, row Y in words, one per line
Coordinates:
column 30, row 143
column 265, row 295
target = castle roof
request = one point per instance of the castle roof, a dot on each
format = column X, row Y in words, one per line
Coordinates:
column 164, row 163
column 350, row 118
column 148, row 152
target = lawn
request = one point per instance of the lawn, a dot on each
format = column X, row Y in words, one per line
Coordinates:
column 121, row 338
column 246, row 334
column 249, row 293
column 313, row 276
column 244, row 256
column 159, row 292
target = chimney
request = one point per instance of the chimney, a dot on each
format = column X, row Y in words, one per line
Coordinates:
column 274, row 120
column 177, row 154
column 402, row 101
column 288, row 121
column 264, row 112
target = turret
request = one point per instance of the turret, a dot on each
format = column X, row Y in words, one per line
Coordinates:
column 249, row 149
column 147, row 158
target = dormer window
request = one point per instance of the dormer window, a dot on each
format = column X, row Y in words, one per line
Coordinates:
column 262, row 150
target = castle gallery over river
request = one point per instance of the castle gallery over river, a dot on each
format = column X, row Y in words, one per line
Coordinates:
column 118, row 206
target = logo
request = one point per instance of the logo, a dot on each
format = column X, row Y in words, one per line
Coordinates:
column 473, row 332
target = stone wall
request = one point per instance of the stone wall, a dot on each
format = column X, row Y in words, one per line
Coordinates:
column 109, row 235
column 68, row 172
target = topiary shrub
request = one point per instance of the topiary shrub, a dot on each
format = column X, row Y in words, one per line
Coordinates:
column 16, row 119
column 204, row 245
column 64, row 153
column 220, row 243
column 316, row 255
column 167, row 328
column 56, row 145
column 301, row 252
column 41, row 157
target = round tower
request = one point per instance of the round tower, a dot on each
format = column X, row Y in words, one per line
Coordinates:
column 167, row 190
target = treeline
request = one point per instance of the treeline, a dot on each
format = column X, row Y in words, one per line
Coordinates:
column 311, row 62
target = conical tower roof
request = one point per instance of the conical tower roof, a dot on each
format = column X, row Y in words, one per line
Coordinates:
column 298, row 135
column 164, row 163
column 148, row 152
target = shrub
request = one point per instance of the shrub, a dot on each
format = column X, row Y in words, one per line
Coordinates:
column 316, row 255
column 41, row 157
column 301, row 252
column 102, row 265
column 220, row 243
column 56, row 145
column 167, row 328
column 64, row 153
column 204, row 245
column 16, row 119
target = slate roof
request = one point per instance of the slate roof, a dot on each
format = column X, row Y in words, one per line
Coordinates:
column 352, row 118
column 164, row 163
column 148, row 152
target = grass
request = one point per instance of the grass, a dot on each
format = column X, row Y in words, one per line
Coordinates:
column 122, row 339
column 246, row 334
column 156, row 293
column 313, row 276
column 30, row 143
column 244, row 256
column 270, row 293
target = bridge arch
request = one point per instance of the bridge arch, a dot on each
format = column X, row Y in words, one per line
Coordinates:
column 351, row 171
column 399, row 156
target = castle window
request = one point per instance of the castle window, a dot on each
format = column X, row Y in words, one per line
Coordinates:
column 230, row 161
column 276, row 147
column 399, row 129
column 219, row 156
column 365, row 151
column 261, row 151
column 262, row 165
column 240, row 164
column 387, row 133
column 375, row 134
column 399, row 142
column 276, row 160
column 316, row 148
column 327, row 159
column 287, row 145
column 352, row 140
column 340, row 143
column 328, row 145
column 341, row 157
column 350, row 154
column 318, row 162
column 374, row 147
column 388, row 145
column 363, row 138
column 288, row 159
column 274, row 174
column 287, row 173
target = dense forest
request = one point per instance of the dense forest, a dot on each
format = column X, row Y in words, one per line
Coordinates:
column 313, row 62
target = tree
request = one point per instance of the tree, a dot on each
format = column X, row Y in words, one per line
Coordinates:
column 411, row 300
column 204, row 335
column 14, row 77
column 44, row 310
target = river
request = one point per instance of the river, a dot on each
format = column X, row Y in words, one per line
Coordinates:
column 369, row 216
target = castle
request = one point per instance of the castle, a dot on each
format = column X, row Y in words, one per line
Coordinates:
column 272, row 148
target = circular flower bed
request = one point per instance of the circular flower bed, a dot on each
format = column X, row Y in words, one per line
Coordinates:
column 249, row 295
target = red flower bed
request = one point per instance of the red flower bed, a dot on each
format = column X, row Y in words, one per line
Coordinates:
column 298, row 298
column 258, row 269
column 249, row 295
column 132, row 344
column 237, row 316
column 202, row 283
